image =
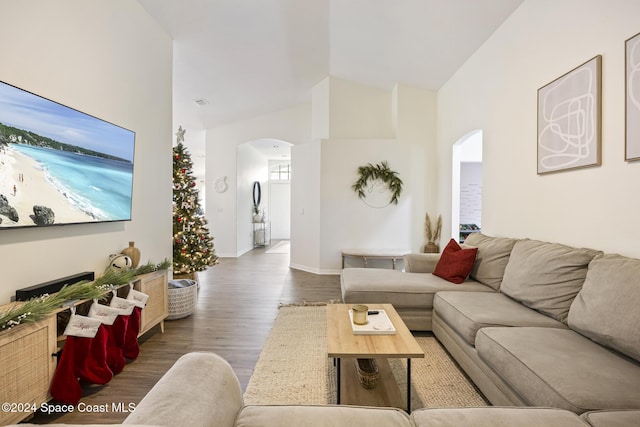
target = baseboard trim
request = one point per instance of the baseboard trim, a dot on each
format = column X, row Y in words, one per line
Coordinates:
column 315, row 270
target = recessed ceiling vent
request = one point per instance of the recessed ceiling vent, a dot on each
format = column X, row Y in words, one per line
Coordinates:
column 201, row 102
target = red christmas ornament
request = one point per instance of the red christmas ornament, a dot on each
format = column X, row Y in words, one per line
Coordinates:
column 183, row 170
column 179, row 219
column 177, row 156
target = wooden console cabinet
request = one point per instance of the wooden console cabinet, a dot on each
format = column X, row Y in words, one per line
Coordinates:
column 28, row 351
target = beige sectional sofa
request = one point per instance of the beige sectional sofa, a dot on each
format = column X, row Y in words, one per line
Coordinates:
column 548, row 325
column 201, row 390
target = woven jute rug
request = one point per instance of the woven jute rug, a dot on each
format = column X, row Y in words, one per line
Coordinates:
column 293, row 367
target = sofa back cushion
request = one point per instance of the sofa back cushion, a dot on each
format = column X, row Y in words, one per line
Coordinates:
column 607, row 308
column 492, row 258
column 546, row 276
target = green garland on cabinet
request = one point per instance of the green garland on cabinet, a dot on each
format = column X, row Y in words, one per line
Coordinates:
column 40, row 307
column 382, row 172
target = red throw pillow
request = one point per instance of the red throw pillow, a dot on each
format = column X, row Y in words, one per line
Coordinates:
column 455, row 263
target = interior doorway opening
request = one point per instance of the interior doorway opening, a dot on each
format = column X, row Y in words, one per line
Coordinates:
column 466, row 186
column 265, row 164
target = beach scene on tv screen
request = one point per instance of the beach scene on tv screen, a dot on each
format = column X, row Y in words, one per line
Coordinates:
column 59, row 165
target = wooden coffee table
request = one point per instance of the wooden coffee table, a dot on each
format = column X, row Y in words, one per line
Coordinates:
column 343, row 344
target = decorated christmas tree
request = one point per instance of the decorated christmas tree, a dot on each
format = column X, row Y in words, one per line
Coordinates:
column 192, row 244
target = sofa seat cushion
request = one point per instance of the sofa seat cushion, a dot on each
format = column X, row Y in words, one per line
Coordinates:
column 402, row 290
column 492, row 258
column 546, row 276
column 320, row 416
column 622, row 418
column 495, row 417
column 560, row 368
column 467, row 312
column 607, row 308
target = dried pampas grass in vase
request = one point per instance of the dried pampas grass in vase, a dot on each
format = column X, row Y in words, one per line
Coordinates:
column 432, row 234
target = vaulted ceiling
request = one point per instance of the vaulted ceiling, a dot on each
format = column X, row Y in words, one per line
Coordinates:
column 250, row 57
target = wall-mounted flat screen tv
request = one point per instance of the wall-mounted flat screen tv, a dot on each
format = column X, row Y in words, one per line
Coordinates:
column 59, row 165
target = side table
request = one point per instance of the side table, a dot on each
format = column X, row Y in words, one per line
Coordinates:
column 261, row 234
column 366, row 254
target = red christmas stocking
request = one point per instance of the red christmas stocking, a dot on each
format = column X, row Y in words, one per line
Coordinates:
column 80, row 331
column 115, row 344
column 131, row 347
column 95, row 370
column 65, row 386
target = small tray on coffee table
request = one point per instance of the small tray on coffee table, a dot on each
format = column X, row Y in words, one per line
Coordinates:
column 377, row 324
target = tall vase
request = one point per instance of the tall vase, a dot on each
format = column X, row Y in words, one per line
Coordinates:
column 431, row 248
column 133, row 253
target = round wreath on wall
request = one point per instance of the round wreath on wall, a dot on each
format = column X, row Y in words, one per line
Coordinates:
column 380, row 171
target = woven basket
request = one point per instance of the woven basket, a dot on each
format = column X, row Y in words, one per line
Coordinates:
column 182, row 301
column 190, row 276
column 367, row 372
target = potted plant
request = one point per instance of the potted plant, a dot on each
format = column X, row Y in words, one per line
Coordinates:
column 432, row 234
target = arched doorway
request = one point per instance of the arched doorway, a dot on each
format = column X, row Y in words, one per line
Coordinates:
column 268, row 162
column 466, row 185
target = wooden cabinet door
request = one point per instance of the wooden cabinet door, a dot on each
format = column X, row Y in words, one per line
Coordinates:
column 155, row 285
column 27, row 364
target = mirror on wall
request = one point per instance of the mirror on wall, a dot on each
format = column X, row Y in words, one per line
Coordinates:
column 257, row 194
column 257, row 197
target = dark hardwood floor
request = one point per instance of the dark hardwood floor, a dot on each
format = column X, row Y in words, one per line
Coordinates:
column 237, row 304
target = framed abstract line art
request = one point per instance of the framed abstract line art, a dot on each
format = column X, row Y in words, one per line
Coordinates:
column 632, row 102
column 569, row 119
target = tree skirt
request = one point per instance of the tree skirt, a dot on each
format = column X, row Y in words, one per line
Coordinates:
column 293, row 367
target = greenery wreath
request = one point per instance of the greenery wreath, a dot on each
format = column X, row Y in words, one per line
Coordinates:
column 380, row 171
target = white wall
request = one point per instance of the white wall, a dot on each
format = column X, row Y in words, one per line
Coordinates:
column 280, row 210
column 370, row 125
column 348, row 222
column 305, row 206
column 359, row 111
column 109, row 59
column 414, row 117
column 292, row 125
column 321, row 109
column 252, row 166
column 495, row 91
